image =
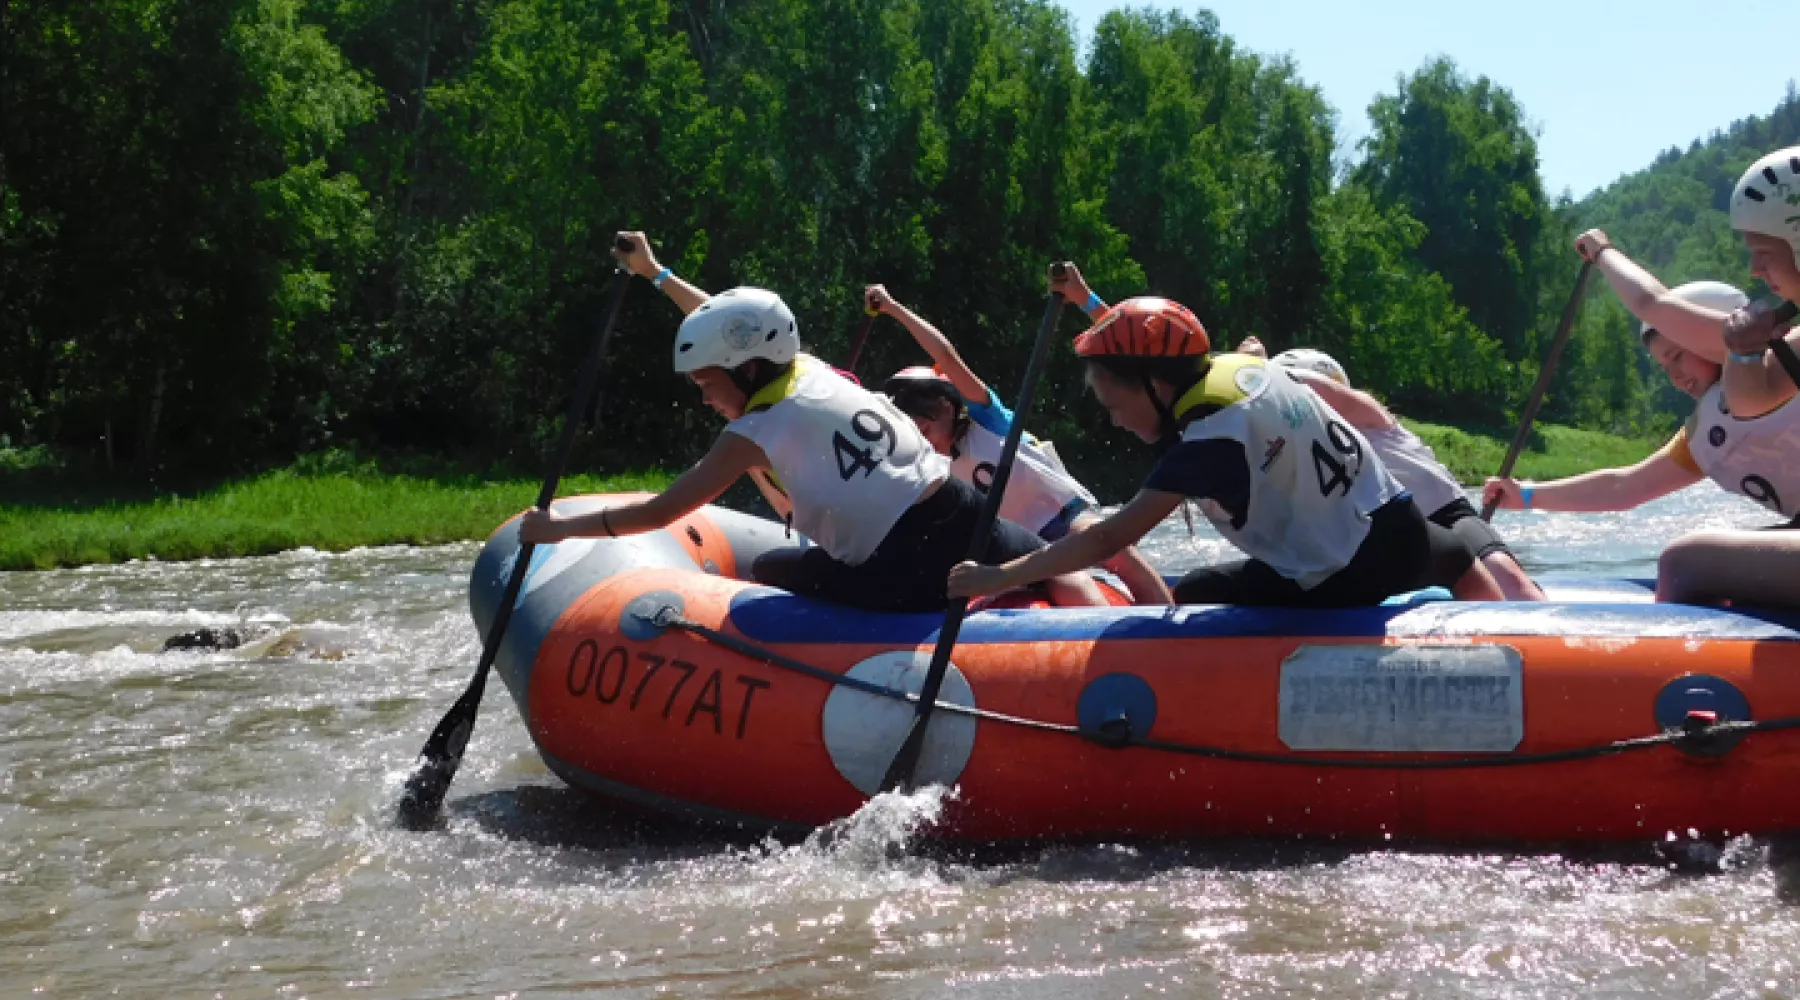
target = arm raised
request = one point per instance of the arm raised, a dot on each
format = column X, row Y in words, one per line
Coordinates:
column 1695, row 327
column 641, row 261
column 943, row 353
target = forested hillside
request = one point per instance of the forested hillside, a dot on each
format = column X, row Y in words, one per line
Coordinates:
column 236, row 230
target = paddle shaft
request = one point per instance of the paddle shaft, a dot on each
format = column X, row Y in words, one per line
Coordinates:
column 862, row 337
column 442, row 754
column 1529, row 414
column 1783, row 353
column 900, row 770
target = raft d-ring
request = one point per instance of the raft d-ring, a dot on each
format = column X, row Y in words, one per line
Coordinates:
column 648, row 614
column 1116, row 709
column 1693, row 704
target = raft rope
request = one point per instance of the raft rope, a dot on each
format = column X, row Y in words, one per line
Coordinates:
column 1696, row 732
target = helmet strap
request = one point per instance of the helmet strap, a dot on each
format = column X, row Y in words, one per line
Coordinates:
column 1165, row 417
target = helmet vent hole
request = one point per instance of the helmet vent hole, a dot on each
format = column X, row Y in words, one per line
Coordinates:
column 1753, row 194
column 685, row 347
column 772, row 335
column 1794, row 164
column 1769, row 172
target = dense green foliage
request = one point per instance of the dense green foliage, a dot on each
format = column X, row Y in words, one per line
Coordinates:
column 232, row 231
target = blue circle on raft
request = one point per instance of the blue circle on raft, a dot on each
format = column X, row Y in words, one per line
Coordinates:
column 1703, row 693
column 1114, row 706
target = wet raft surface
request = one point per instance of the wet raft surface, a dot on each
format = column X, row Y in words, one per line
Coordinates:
column 192, row 823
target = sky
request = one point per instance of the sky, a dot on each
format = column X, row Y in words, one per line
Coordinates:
column 1608, row 85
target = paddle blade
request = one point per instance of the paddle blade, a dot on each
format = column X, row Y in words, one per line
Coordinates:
column 423, row 798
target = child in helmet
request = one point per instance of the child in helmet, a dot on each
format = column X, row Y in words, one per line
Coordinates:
column 964, row 421
column 1411, row 461
column 1278, row 472
column 888, row 518
column 1745, row 430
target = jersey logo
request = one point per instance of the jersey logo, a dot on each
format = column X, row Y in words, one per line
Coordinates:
column 1250, row 379
column 1273, row 452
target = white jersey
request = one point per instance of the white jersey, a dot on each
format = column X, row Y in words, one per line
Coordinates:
column 1038, row 489
column 1314, row 479
column 1417, row 467
column 1758, row 457
column 850, row 462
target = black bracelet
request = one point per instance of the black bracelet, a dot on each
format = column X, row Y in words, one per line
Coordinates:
column 604, row 523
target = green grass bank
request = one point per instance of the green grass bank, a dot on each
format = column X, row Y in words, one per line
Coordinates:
column 276, row 511
column 1553, row 452
column 337, row 510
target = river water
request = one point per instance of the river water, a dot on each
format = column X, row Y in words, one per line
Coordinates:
column 219, row 824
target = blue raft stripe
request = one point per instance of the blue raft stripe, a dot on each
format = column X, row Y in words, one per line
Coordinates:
column 767, row 615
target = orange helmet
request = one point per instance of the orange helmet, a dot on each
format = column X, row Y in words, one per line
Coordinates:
column 1145, row 327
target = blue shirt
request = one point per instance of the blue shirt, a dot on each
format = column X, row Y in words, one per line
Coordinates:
column 1212, row 469
column 992, row 415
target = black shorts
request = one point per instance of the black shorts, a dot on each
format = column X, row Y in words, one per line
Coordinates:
column 908, row 571
column 1461, row 517
column 1402, row 552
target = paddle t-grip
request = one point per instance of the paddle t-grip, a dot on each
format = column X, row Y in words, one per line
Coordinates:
column 624, row 244
column 1059, row 270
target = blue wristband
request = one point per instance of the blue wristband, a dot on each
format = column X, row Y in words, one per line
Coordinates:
column 661, row 276
column 1525, row 495
column 1094, row 301
column 1747, row 359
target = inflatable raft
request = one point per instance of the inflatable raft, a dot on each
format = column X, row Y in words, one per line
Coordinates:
column 646, row 670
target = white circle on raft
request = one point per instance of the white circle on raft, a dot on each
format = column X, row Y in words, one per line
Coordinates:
column 863, row 731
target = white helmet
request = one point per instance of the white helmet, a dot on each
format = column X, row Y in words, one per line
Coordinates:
column 1714, row 295
column 735, row 326
column 1767, row 198
column 1313, row 361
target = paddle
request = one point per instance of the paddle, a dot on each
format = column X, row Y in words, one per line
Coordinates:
column 1783, row 353
column 906, row 760
column 862, row 336
column 442, row 754
column 1543, row 381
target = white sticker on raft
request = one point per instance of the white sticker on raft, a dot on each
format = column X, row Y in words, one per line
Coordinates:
column 863, row 731
column 1447, row 699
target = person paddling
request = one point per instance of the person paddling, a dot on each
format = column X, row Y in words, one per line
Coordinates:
column 859, row 479
column 965, row 421
column 1279, row 473
column 1412, row 461
column 1675, row 465
column 1745, row 430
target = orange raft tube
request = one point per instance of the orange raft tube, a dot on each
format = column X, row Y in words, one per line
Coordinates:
column 646, row 670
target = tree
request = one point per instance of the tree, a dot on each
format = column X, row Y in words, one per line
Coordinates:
column 1457, row 156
